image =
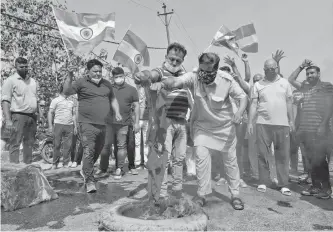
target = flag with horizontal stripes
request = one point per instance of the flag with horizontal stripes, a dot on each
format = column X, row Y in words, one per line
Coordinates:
column 246, row 38
column 82, row 32
column 132, row 52
column 225, row 38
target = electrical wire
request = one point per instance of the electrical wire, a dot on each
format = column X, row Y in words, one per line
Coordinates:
column 141, row 5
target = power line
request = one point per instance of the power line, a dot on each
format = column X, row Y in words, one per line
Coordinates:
column 53, row 28
column 186, row 30
column 141, row 5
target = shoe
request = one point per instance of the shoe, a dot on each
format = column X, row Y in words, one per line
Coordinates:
column 54, row 167
column 324, row 195
column 60, row 165
column 221, row 181
column 119, row 173
column 74, row 165
column 82, row 174
column 141, row 167
column 311, row 191
column 303, row 177
column 100, row 174
column 242, row 184
column 66, row 166
column 91, row 187
column 70, row 163
column 133, row 172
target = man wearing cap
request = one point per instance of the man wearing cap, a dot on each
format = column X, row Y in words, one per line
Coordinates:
column 19, row 104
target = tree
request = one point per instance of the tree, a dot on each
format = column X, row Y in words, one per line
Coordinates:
column 38, row 40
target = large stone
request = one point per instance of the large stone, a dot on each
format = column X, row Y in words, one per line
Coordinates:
column 24, row 187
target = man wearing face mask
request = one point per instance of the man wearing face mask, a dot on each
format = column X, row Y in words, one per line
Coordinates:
column 271, row 100
column 213, row 122
column 19, row 104
column 117, row 131
column 313, row 130
column 169, row 108
column 96, row 98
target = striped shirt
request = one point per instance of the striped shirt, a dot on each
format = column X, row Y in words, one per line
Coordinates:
column 314, row 107
column 176, row 102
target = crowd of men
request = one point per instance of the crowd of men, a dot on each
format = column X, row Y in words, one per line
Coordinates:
column 234, row 125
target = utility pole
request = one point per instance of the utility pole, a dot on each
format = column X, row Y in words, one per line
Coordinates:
column 166, row 22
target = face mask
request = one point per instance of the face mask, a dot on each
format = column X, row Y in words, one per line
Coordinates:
column 119, row 81
column 171, row 68
column 96, row 80
column 206, row 77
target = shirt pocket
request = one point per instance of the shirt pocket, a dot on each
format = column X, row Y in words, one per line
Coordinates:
column 19, row 91
column 217, row 102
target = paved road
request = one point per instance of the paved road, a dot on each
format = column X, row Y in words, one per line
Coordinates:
column 76, row 210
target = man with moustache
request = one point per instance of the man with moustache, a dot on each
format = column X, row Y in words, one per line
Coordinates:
column 167, row 126
column 271, row 100
column 314, row 130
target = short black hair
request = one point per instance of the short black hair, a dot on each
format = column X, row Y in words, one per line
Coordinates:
column 226, row 69
column 117, row 71
column 92, row 63
column 211, row 57
column 21, row 60
column 313, row 67
column 177, row 47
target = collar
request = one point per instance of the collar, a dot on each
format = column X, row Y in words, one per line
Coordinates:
column 20, row 78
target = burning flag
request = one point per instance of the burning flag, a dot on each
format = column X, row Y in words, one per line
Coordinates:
column 225, row 38
column 246, row 38
column 82, row 32
column 132, row 52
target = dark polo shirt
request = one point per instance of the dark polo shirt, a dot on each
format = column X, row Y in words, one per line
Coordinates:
column 94, row 100
column 126, row 95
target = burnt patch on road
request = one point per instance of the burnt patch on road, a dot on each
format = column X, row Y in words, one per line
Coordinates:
column 321, row 227
column 284, row 204
column 273, row 210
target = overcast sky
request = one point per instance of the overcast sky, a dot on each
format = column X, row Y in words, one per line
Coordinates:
column 302, row 28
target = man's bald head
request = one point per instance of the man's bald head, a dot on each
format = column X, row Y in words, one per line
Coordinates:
column 271, row 69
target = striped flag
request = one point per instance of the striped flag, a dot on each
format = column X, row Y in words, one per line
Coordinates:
column 246, row 38
column 132, row 52
column 225, row 38
column 82, row 32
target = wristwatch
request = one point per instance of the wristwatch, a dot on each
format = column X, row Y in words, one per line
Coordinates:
column 301, row 67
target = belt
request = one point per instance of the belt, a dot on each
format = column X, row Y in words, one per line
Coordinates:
column 27, row 114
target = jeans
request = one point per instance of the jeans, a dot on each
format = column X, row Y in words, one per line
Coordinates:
column 295, row 145
column 317, row 149
column 76, row 149
column 93, row 137
column 176, row 138
column 279, row 136
column 141, row 149
column 204, row 165
column 63, row 135
column 120, row 133
column 105, row 154
column 25, row 128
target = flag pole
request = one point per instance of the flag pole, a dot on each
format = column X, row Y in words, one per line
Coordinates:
column 210, row 45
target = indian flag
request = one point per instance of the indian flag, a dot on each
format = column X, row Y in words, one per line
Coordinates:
column 225, row 38
column 246, row 38
column 132, row 52
column 82, row 32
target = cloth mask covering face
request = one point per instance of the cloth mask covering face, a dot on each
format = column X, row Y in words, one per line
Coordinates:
column 171, row 68
column 119, row 80
column 96, row 80
column 206, row 77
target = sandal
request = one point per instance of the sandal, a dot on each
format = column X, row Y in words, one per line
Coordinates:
column 261, row 188
column 237, row 203
column 286, row 191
